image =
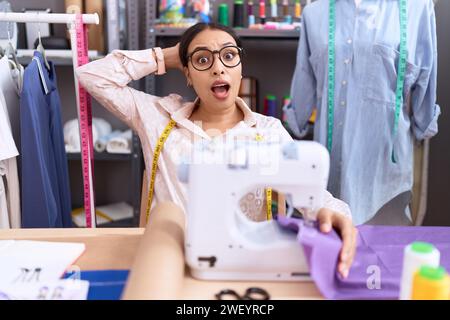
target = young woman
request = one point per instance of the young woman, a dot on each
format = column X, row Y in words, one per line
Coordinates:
column 210, row 57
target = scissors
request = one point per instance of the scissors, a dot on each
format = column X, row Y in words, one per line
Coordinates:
column 250, row 294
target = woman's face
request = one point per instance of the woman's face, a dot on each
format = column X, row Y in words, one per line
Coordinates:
column 218, row 86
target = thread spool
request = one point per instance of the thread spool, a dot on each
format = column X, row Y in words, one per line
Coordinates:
column 262, row 11
column 223, row 14
column 250, row 16
column 286, row 102
column 285, row 8
column 298, row 9
column 250, row 8
column 431, row 284
column 416, row 255
column 251, row 20
column 270, row 105
column 274, row 8
column 238, row 16
column 287, row 17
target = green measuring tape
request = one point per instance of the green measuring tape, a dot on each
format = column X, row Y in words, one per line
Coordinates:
column 332, row 71
column 401, row 69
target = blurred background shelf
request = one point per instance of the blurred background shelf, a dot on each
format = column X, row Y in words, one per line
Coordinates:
column 124, row 223
column 244, row 33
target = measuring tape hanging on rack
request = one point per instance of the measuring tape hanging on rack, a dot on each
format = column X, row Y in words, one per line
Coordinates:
column 85, row 119
column 159, row 145
column 332, row 71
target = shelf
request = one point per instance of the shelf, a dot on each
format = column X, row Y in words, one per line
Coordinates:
column 102, row 156
column 124, row 223
column 284, row 34
column 58, row 57
column 243, row 33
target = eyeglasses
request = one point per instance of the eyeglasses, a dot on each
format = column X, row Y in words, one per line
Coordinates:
column 203, row 59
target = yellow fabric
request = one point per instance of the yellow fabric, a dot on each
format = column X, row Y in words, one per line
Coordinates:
column 78, row 211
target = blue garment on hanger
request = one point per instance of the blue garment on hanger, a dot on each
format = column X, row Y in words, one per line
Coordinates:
column 46, row 199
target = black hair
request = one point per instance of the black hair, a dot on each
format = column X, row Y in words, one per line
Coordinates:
column 193, row 31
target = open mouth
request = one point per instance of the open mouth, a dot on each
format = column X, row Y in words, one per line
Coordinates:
column 220, row 90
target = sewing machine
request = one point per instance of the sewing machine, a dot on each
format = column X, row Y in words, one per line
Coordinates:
column 223, row 244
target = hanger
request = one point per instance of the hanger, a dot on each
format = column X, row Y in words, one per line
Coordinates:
column 40, row 47
column 10, row 52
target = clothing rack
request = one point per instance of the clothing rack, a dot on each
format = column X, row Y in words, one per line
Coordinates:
column 70, row 20
column 54, row 18
column 54, row 53
column 47, row 17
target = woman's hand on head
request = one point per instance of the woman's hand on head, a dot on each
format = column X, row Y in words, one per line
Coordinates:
column 172, row 57
column 329, row 219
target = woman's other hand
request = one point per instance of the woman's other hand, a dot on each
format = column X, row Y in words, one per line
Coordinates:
column 329, row 219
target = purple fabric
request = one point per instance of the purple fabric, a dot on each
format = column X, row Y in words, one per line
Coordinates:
column 379, row 246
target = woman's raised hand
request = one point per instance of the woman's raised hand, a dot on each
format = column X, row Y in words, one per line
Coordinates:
column 172, row 57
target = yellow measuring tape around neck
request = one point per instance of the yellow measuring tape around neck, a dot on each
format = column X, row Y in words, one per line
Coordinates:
column 269, row 203
column 162, row 139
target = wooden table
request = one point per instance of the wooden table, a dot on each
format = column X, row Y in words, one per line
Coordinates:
column 114, row 249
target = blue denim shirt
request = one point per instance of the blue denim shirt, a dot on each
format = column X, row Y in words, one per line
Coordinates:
column 367, row 51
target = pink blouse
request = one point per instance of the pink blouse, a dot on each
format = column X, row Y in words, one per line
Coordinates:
column 107, row 81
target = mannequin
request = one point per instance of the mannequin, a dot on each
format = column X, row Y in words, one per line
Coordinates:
column 371, row 152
